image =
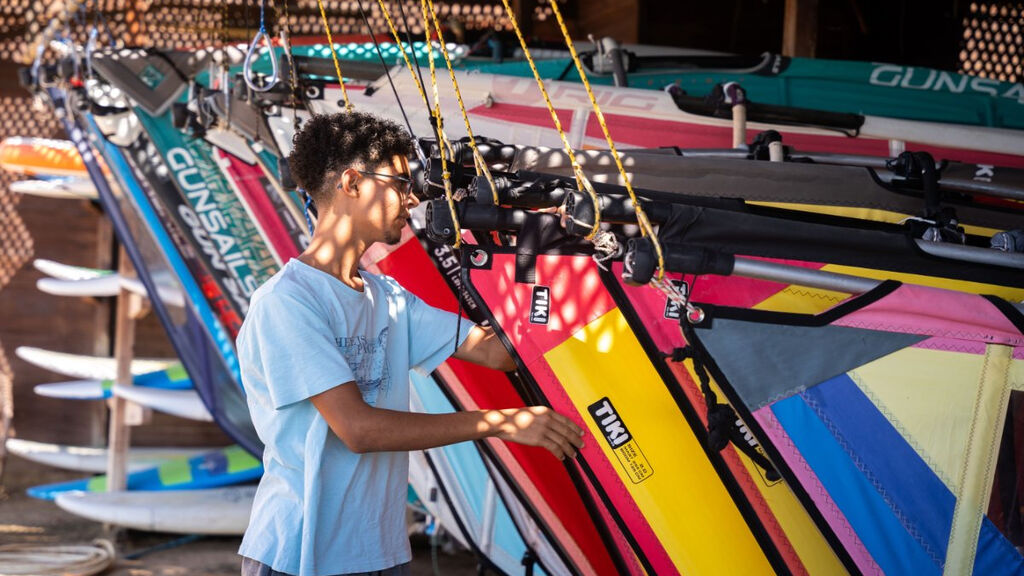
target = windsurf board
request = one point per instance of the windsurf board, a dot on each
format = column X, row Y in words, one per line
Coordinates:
column 94, row 459
column 220, row 511
column 85, row 366
column 59, row 188
column 63, row 271
column 174, row 378
column 181, row 403
column 42, row 156
column 222, row 467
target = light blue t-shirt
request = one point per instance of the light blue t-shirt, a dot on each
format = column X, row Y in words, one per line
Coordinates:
column 320, row 508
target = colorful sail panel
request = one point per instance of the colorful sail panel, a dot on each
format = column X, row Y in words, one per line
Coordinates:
column 648, row 463
column 886, row 414
column 542, row 482
column 657, row 319
column 201, row 340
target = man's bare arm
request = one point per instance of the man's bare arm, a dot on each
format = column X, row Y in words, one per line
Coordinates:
column 482, row 346
column 364, row 428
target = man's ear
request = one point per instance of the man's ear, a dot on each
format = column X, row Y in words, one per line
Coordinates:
column 349, row 182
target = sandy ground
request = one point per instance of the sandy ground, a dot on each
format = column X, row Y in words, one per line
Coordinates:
column 27, row 520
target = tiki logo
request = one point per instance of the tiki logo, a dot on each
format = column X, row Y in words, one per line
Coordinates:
column 608, row 421
column 540, row 305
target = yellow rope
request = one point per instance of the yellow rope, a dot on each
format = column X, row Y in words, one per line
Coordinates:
column 404, row 47
column 581, row 180
column 442, row 138
column 435, row 111
column 334, row 55
column 478, row 160
column 645, row 224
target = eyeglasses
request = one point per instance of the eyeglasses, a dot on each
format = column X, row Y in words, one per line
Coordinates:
column 406, row 182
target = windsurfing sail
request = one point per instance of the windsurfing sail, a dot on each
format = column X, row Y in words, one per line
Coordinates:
column 519, row 292
column 570, row 518
column 889, row 418
column 646, row 459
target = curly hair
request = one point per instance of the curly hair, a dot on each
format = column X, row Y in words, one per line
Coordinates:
column 328, row 144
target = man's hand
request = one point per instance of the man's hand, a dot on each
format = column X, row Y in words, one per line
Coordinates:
column 364, row 428
column 537, row 426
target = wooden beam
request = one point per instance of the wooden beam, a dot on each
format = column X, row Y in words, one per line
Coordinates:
column 104, row 315
column 123, row 414
column 800, row 28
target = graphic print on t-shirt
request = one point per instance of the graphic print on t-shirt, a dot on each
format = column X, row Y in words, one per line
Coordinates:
column 366, row 359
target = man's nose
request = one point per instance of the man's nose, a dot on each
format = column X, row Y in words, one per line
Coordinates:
column 413, row 201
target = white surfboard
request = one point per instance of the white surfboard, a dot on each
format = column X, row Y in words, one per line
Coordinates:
column 222, row 511
column 181, row 403
column 168, row 290
column 109, row 285
column 94, row 460
column 76, row 390
column 97, row 287
column 85, row 366
column 64, row 189
column 55, row 269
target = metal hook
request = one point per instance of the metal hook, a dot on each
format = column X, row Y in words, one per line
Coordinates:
column 271, row 80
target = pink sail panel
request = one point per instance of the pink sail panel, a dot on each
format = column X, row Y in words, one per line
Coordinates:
column 822, row 500
column 915, row 309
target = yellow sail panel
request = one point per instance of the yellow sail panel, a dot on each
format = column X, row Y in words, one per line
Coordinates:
column 804, row 300
column 926, row 394
column 663, row 466
column 808, row 542
column 801, row 300
column 1004, row 292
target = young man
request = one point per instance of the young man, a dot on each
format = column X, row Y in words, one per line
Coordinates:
column 325, row 353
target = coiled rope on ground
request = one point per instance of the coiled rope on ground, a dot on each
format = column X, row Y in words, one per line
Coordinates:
column 56, row 560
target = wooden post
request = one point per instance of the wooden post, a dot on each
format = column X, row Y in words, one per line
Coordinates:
column 104, row 312
column 124, row 414
column 800, row 28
